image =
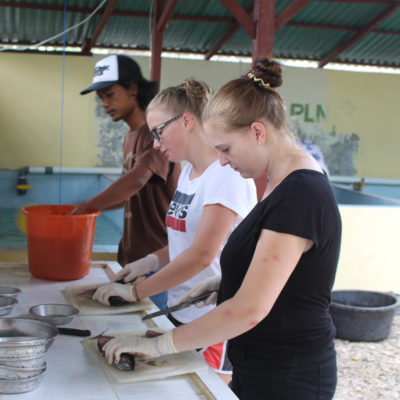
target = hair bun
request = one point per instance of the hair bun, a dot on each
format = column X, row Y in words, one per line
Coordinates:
column 269, row 71
column 190, row 96
column 195, row 88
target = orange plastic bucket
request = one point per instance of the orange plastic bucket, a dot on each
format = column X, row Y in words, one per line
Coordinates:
column 59, row 244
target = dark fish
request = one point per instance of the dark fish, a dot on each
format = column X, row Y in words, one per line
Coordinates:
column 102, row 340
column 113, row 300
column 116, row 300
column 152, row 334
column 126, row 361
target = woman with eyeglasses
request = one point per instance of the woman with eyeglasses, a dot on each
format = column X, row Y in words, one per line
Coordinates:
column 209, row 202
column 278, row 266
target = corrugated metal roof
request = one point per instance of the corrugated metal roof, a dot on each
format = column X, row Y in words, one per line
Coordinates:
column 314, row 33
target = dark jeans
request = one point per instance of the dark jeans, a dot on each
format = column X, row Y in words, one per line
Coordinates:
column 283, row 374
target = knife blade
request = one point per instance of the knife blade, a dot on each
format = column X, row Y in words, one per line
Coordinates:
column 180, row 306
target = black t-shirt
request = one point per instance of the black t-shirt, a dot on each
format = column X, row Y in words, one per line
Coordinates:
column 304, row 205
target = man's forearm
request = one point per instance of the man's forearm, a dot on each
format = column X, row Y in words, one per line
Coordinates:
column 118, row 192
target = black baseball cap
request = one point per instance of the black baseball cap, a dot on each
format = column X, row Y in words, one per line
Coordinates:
column 114, row 69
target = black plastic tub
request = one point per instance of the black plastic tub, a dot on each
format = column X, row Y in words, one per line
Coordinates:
column 362, row 315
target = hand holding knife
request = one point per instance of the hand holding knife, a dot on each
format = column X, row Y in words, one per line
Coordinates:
column 180, row 306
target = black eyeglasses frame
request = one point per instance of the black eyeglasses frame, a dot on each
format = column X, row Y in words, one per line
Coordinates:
column 156, row 132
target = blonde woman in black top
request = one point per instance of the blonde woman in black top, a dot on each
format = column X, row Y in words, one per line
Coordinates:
column 278, row 266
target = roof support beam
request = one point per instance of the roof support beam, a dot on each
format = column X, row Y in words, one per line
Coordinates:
column 88, row 43
column 283, row 19
column 361, row 33
column 222, row 41
column 214, row 49
column 156, row 43
column 363, row 1
column 118, row 13
column 166, row 15
column 339, row 28
column 86, row 10
column 241, row 16
column 263, row 46
column 289, row 12
column 161, row 17
column 182, row 17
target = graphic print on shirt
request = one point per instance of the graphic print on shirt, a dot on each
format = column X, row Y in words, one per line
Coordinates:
column 177, row 212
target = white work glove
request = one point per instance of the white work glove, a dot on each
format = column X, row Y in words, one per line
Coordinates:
column 103, row 293
column 143, row 347
column 209, row 285
column 137, row 268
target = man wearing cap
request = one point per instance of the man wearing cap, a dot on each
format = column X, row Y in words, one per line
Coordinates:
column 148, row 180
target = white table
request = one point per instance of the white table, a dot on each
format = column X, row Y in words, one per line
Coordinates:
column 73, row 374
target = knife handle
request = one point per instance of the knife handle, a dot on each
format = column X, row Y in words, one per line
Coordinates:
column 203, row 296
column 73, row 331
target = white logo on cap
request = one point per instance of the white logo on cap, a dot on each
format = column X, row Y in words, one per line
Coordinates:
column 106, row 70
column 99, row 70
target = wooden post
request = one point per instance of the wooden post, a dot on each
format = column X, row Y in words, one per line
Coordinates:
column 264, row 17
column 263, row 46
column 156, row 43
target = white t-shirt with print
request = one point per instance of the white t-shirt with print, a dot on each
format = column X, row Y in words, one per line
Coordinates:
column 217, row 185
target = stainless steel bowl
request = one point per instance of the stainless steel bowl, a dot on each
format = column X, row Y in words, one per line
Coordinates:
column 7, row 304
column 20, row 385
column 25, row 362
column 7, row 372
column 56, row 314
column 23, row 338
column 9, row 291
column 15, row 349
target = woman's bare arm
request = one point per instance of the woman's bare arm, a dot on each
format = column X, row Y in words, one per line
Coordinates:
column 274, row 260
column 216, row 222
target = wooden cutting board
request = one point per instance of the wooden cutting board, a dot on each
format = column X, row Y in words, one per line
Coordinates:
column 159, row 368
column 87, row 306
